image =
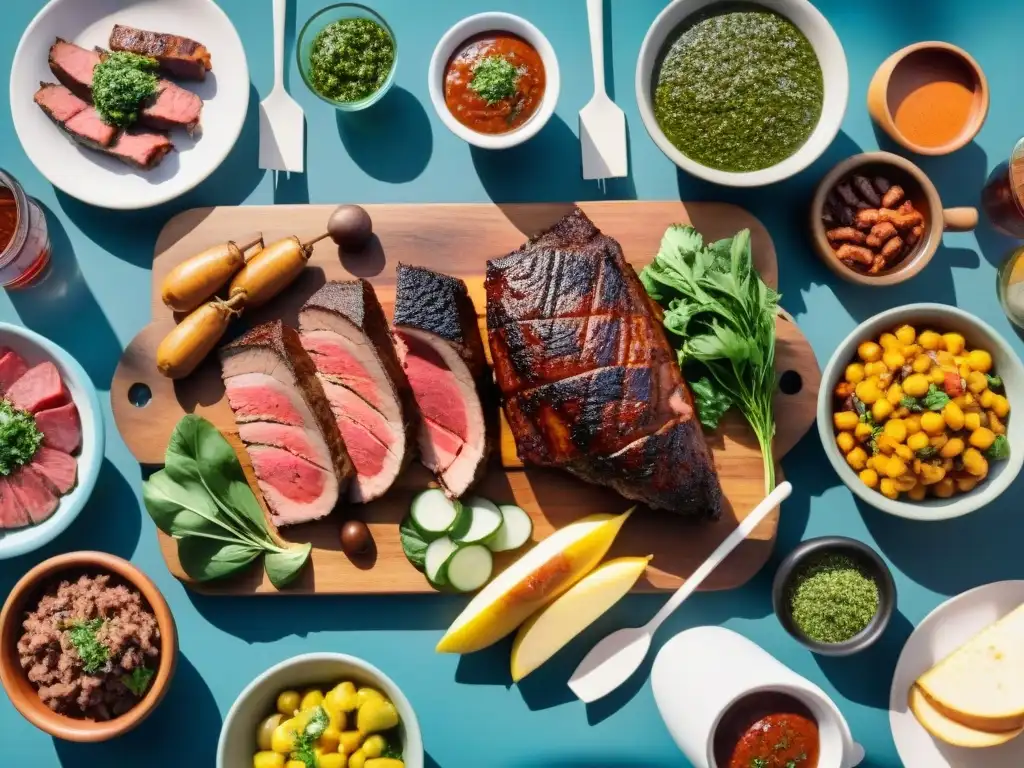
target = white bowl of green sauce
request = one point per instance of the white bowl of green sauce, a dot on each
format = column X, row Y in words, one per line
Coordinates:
column 790, row 88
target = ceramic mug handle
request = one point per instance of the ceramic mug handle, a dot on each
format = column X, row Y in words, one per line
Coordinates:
column 959, row 219
column 856, row 756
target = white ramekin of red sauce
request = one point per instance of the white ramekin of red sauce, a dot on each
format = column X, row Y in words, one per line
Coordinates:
column 24, row 240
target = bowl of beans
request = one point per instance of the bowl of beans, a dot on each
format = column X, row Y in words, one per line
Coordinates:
column 915, row 412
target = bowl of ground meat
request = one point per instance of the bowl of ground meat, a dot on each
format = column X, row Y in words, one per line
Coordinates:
column 88, row 646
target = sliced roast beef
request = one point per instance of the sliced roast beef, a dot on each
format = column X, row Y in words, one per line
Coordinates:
column 37, row 495
column 346, row 334
column 61, row 428
column 141, row 148
column 12, row 514
column 59, row 104
column 12, row 368
column 72, row 65
column 181, row 56
column 60, row 469
column 38, row 389
column 270, row 379
column 439, row 344
column 88, row 128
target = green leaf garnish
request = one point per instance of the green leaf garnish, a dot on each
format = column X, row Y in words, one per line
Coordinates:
column 19, row 437
column 138, row 681
column 912, row 404
column 494, row 79
column 712, row 402
column 303, row 750
column 994, row 382
column 1000, row 449
column 414, row 545
column 936, row 399
column 120, row 83
column 91, row 651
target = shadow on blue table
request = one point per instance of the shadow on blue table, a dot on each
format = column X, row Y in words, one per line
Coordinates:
column 393, row 141
column 183, row 730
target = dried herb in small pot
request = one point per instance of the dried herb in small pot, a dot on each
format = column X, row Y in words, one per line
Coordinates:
column 832, row 599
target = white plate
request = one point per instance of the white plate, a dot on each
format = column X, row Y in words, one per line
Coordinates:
column 943, row 631
column 100, row 180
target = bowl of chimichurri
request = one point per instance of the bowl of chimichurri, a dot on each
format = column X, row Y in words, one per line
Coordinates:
column 347, row 55
column 742, row 93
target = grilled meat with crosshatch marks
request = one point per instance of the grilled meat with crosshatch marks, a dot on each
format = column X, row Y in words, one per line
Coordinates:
column 180, row 56
column 589, row 380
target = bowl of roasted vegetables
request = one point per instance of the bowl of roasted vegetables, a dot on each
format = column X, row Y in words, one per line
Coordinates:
column 915, row 412
column 321, row 710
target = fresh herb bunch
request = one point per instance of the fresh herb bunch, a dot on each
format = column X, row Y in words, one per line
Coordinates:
column 19, row 437
column 120, row 83
column 494, row 79
column 93, row 653
column 138, row 681
column 722, row 316
column 202, row 499
column 305, row 742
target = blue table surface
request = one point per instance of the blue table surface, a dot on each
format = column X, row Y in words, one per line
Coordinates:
column 470, row 713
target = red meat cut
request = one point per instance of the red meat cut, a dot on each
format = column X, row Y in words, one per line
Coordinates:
column 12, row 368
column 181, row 56
column 59, row 104
column 72, row 65
column 12, row 514
column 345, row 332
column 88, row 127
column 61, row 428
column 34, row 493
column 38, row 389
column 438, row 341
column 60, row 469
column 270, row 381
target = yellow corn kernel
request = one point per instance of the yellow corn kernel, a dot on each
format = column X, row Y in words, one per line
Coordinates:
column 912, row 422
column 944, row 488
column 995, row 424
column 886, row 445
column 875, row 369
column 350, row 742
column 266, row 759
column 888, row 488
column 329, row 740
column 893, row 359
column 862, row 431
column 975, row 463
column 896, row 467
column 881, row 410
column 932, row 423
column 867, row 392
column 937, row 376
column 954, row 343
column 910, row 351
column 966, row 400
column 846, row 441
column 311, row 698
column 930, row 340
column 869, row 477
column 877, row 463
column 929, row 473
column 921, row 364
column 888, row 341
column 972, row 420
column 896, row 429
column 845, row 420
column 917, row 493
column 979, row 360
column 905, row 482
column 953, row 416
column 964, row 370
column 869, row 351
column 906, row 334
column 966, row 484
column 916, row 385
column 976, row 382
column 854, row 373
column 917, row 441
column 953, row 447
column 903, row 452
column 982, row 438
column 857, row 458
column 938, row 441
column 987, row 398
column 894, row 394
column 945, row 359
column 1001, row 406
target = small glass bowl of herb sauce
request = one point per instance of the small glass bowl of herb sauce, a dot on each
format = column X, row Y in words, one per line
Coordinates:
column 347, row 56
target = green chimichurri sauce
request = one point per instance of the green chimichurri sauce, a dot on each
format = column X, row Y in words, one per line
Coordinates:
column 120, row 83
column 350, row 59
column 739, row 90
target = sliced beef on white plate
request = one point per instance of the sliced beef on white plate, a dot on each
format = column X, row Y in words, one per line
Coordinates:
column 12, row 368
column 12, row 514
column 438, row 341
column 57, row 467
column 37, row 495
column 345, row 332
column 61, row 427
column 270, row 380
column 38, row 389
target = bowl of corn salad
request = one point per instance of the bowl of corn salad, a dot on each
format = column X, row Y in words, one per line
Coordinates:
column 915, row 412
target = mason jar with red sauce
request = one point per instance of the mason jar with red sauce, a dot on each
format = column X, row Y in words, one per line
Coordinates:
column 24, row 240
column 1003, row 195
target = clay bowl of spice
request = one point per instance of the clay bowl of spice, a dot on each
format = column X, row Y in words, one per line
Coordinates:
column 876, row 219
column 88, row 646
column 835, row 595
column 931, row 98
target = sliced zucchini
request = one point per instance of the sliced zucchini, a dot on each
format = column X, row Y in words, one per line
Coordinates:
column 515, row 531
column 485, row 520
column 432, row 513
column 463, row 519
column 470, row 568
column 439, row 553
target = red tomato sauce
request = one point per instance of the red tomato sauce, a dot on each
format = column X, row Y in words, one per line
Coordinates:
column 469, row 108
column 767, row 730
column 8, row 217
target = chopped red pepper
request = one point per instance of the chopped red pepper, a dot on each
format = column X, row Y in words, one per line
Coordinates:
column 953, row 384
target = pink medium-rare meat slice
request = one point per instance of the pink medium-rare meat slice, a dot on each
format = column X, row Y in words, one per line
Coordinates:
column 12, row 514
column 60, row 469
column 12, row 368
column 140, row 148
column 38, row 389
column 37, row 495
column 286, row 437
column 59, row 103
column 61, row 427
column 181, row 56
column 88, row 128
column 268, row 373
column 438, row 341
column 346, row 334
column 72, row 65
column 172, row 107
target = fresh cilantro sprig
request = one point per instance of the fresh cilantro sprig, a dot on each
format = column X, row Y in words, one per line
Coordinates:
column 1000, row 449
column 93, row 653
column 138, row 681
column 19, row 437
column 303, row 750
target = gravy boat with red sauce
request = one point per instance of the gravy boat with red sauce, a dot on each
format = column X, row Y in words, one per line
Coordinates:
column 700, row 674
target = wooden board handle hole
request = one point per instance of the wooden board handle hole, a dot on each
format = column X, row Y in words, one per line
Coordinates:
column 790, row 383
column 140, row 395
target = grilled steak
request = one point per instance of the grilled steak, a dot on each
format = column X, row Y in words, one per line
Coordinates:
column 346, row 334
column 34, row 493
column 38, row 389
column 12, row 514
column 59, row 103
column 72, row 65
column 180, row 56
column 589, row 381
column 141, row 148
column 439, row 344
column 59, row 469
column 286, row 424
column 61, row 428
column 12, row 368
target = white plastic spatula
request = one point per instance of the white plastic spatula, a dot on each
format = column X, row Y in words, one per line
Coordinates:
column 602, row 124
column 282, row 123
column 613, row 661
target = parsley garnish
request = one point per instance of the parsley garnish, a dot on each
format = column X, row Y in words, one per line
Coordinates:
column 1000, row 448
column 927, row 452
column 994, row 382
column 911, row 404
column 19, row 438
column 304, row 742
column 138, row 680
column 91, row 651
column 494, row 79
column 120, row 83
column 936, row 399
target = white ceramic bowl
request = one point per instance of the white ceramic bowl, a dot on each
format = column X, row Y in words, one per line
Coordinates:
column 238, row 734
column 1006, row 365
column 102, row 180
column 831, row 57
column 490, row 22
column 37, row 349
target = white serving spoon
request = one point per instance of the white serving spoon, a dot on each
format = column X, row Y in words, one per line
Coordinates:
column 613, row 661
column 282, row 122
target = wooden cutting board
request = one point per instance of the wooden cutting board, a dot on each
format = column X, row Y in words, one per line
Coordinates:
column 459, row 239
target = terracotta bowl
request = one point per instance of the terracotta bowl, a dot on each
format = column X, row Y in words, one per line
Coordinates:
column 23, row 598
column 919, row 190
column 916, row 65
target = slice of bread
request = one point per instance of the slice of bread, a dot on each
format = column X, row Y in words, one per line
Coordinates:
column 950, row 731
column 981, row 684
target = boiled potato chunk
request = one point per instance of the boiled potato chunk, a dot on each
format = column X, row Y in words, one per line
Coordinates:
column 376, row 715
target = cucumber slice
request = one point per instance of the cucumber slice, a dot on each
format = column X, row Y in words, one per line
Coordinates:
column 432, row 513
column 470, row 568
column 485, row 520
column 516, row 530
column 439, row 553
column 463, row 519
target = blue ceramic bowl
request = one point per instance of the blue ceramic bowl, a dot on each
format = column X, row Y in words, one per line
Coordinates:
column 37, row 349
